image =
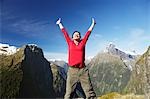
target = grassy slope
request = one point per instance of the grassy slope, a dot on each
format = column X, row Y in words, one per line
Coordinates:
column 11, row 74
column 115, row 95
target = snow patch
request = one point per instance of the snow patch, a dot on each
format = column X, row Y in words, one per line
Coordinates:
column 31, row 44
column 126, row 56
column 6, row 49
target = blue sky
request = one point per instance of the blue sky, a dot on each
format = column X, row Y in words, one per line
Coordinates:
column 123, row 22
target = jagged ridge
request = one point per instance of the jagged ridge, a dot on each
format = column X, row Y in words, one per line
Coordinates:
column 26, row 74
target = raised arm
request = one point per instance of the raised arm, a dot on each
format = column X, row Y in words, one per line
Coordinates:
column 89, row 31
column 59, row 23
column 92, row 25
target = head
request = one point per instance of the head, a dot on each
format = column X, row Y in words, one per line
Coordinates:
column 76, row 36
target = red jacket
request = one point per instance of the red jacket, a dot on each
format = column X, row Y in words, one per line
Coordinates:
column 76, row 52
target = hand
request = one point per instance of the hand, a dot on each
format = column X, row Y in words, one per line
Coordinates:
column 92, row 25
column 58, row 21
column 93, row 21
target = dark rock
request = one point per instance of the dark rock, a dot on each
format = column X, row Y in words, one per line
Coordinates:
column 37, row 75
column 26, row 74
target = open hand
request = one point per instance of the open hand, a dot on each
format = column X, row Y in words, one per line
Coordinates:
column 58, row 21
column 93, row 21
column 92, row 24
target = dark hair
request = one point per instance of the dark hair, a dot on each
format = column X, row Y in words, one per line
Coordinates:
column 75, row 32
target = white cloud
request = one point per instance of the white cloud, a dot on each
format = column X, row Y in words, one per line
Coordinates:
column 138, row 37
column 55, row 56
column 52, row 56
column 136, row 33
column 137, row 40
column 95, row 44
column 96, row 36
column 28, row 27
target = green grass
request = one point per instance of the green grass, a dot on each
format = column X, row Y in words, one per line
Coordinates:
column 115, row 95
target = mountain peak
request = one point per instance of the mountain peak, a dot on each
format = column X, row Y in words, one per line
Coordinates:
column 6, row 49
column 127, row 57
column 113, row 50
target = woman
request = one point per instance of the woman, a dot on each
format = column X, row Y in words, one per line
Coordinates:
column 77, row 71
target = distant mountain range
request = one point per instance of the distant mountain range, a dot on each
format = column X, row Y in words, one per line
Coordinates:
column 26, row 73
column 110, row 72
column 112, row 49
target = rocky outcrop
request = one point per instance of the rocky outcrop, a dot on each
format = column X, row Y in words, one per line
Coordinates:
column 37, row 75
column 26, row 74
column 59, row 82
column 62, row 67
column 108, row 73
column 140, row 78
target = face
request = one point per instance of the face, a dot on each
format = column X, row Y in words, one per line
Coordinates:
column 76, row 36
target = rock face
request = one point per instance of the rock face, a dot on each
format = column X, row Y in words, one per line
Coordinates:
column 37, row 75
column 62, row 67
column 26, row 74
column 59, row 82
column 140, row 78
column 108, row 73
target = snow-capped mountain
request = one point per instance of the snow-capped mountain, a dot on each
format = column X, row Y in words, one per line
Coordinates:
column 6, row 49
column 126, row 56
column 112, row 49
